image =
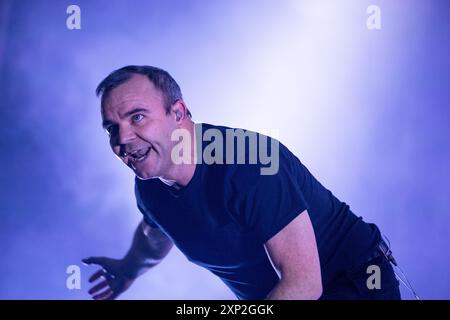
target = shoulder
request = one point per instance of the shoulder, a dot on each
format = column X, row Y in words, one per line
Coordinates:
column 247, row 158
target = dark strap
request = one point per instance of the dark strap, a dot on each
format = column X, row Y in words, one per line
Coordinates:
column 387, row 252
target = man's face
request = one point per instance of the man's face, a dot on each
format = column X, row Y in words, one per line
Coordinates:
column 139, row 127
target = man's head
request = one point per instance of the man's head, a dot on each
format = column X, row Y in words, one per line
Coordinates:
column 141, row 106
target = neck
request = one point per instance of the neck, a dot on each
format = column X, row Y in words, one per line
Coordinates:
column 180, row 175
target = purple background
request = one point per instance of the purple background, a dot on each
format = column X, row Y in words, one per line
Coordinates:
column 366, row 111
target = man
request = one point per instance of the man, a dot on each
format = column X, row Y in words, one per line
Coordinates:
column 278, row 235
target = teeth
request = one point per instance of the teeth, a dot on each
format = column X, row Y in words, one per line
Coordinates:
column 138, row 153
column 137, row 156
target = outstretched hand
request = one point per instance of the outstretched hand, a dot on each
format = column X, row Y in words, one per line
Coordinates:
column 114, row 278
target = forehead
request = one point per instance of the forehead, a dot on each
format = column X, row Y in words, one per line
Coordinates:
column 136, row 90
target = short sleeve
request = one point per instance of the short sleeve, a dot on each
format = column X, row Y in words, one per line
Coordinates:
column 275, row 200
column 141, row 208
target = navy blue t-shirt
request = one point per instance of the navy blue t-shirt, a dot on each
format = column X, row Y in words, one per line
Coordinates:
column 226, row 213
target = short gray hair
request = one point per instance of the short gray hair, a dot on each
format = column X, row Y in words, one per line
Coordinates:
column 160, row 78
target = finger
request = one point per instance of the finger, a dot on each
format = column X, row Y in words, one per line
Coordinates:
column 113, row 296
column 104, row 295
column 97, row 287
column 97, row 275
column 94, row 260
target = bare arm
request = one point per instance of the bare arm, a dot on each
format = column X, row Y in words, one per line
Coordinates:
column 294, row 253
column 148, row 248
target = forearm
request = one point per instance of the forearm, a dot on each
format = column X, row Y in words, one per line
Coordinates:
column 146, row 251
column 287, row 289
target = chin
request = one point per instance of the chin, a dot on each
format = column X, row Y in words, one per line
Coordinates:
column 145, row 175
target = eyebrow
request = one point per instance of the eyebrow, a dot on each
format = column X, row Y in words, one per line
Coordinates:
column 105, row 123
column 135, row 110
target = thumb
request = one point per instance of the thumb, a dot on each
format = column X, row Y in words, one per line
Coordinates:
column 95, row 260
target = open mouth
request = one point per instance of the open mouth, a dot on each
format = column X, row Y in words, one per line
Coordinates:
column 138, row 156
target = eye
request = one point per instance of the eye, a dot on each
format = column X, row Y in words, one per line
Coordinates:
column 137, row 117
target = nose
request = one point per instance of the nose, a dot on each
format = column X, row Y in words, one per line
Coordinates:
column 124, row 136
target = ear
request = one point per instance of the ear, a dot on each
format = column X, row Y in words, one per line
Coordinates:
column 179, row 110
